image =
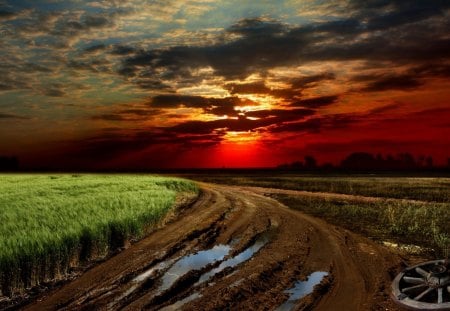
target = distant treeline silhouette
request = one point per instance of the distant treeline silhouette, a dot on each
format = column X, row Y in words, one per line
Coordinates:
column 9, row 163
column 364, row 161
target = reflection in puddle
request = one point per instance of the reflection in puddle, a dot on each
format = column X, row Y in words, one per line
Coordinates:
column 192, row 262
column 301, row 289
column 202, row 259
column 236, row 260
column 179, row 267
column 143, row 276
column 139, row 279
column 178, row 304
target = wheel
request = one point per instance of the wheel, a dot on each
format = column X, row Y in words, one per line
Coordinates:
column 425, row 286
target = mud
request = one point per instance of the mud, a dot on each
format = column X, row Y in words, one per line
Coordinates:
column 301, row 289
column 237, row 249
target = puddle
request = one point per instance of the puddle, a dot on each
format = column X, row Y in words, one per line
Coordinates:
column 191, row 262
column 236, row 260
column 177, row 305
column 139, row 279
column 143, row 276
column 178, row 267
column 301, row 289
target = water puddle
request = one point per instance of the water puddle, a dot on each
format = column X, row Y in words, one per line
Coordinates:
column 202, row 259
column 301, row 289
column 192, row 262
column 236, row 260
column 139, row 279
column 177, row 305
column 178, row 267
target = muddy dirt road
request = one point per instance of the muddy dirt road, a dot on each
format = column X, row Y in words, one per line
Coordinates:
column 236, row 249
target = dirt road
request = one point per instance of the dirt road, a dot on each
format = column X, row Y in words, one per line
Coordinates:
column 244, row 251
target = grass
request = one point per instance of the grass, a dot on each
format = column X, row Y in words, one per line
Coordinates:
column 50, row 224
column 424, row 223
column 419, row 223
column 422, row 188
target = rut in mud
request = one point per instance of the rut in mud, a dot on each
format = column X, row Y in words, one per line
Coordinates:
column 236, row 249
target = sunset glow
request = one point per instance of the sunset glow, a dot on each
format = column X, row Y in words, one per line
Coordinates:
column 151, row 84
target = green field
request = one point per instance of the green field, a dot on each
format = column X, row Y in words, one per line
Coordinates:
column 51, row 223
column 415, row 188
column 424, row 222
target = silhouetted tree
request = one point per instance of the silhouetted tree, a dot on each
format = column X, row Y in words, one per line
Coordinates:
column 297, row 165
column 359, row 161
column 328, row 166
column 406, row 161
column 310, row 163
column 420, row 161
column 9, row 163
column 429, row 161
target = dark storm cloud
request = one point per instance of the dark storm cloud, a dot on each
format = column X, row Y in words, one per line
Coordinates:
column 217, row 106
column 257, row 27
column 304, row 82
column 11, row 116
column 207, row 127
column 112, row 144
column 242, row 123
column 8, row 82
column 382, row 15
column 316, row 102
column 95, row 48
column 365, row 5
column 54, row 93
column 17, row 73
column 411, row 79
column 248, row 88
column 54, row 28
column 152, row 84
column 263, row 44
column 317, row 124
column 297, row 85
column 385, row 108
column 406, row 16
column 5, row 15
column 235, row 59
column 393, row 82
column 92, row 21
column 110, row 117
column 32, row 67
column 309, row 126
column 120, row 49
column 176, row 101
column 55, row 90
column 131, row 114
column 95, row 65
column 281, row 115
column 432, row 70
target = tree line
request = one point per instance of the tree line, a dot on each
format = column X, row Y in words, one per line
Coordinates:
column 364, row 161
column 9, row 163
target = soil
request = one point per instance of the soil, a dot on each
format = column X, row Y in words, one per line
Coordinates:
column 360, row 271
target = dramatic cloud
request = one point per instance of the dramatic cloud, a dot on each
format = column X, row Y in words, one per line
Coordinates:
column 130, row 80
column 11, row 116
column 316, row 101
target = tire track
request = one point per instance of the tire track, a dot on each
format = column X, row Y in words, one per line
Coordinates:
column 298, row 245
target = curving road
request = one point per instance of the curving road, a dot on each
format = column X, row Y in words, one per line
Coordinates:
column 247, row 249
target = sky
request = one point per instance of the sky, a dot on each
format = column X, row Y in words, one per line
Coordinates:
column 238, row 83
